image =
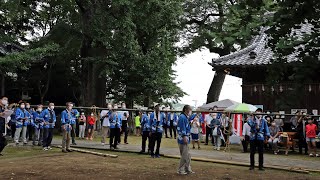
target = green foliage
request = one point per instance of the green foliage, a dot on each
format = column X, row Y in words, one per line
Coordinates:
column 130, row 44
column 221, row 26
column 287, row 45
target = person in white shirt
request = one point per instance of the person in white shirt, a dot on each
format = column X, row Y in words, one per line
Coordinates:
column 105, row 114
column 208, row 119
column 245, row 138
column 195, row 125
column 124, row 116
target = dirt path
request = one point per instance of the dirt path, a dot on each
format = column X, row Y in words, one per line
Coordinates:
column 270, row 159
column 56, row 165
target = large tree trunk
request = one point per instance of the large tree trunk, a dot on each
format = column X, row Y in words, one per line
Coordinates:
column 216, row 86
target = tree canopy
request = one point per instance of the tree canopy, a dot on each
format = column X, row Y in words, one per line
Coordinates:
column 84, row 51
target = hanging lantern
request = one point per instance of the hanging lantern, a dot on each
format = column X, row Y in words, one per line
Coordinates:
column 272, row 89
column 281, row 88
column 255, row 89
column 262, row 88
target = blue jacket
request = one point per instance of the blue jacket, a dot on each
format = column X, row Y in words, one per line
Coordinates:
column 115, row 120
column 75, row 114
column 19, row 115
column 30, row 114
column 175, row 119
column 37, row 119
column 47, row 117
column 183, row 128
column 145, row 122
column 157, row 126
column 261, row 132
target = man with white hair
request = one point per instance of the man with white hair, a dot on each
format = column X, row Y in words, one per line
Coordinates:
column 124, row 118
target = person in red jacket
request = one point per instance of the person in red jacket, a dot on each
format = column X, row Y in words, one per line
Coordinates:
column 91, row 122
column 311, row 133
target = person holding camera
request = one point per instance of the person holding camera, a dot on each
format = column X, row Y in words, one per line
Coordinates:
column 82, row 125
column 49, row 117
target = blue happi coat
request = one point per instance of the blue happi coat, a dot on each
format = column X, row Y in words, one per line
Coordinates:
column 258, row 133
column 175, row 119
column 47, row 117
column 75, row 115
column 145, row 123
column 19, row 115
column 30, row 114
column 115, row 120
column 155, row 124
column 183, row 128
column 37, row 119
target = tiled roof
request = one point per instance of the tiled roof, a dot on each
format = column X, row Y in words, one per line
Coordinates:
column 257, row 48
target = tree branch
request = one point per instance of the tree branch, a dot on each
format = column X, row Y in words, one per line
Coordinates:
column 80, row 5
column 201, row 22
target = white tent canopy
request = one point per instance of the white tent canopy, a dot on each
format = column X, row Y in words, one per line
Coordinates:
column 223, row 104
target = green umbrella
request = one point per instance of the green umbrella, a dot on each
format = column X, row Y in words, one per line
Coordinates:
column 241, row 108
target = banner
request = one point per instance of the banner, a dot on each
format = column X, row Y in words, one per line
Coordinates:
column 237, row 124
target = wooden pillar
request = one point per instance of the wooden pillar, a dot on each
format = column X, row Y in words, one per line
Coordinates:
column 216, row 86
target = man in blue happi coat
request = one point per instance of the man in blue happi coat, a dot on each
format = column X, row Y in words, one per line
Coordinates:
column 157, row 120
column 259, row 131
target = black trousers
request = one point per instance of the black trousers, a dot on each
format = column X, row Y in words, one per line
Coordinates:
column 209, row 133
column 145, row 137
column 245, row 143
column 13, row 129
column 174, row 129
column 30, row 131
column 124, row 130
column 254, row 145
column 3, row 142
column 302, row 143
column 73, row 133
column 165, row 127
column 155, row 137
column 47, row 137
column 114, row 136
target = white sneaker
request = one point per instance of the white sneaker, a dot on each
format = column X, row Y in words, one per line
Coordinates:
column 218, row 149
column 45, row 149
column 182, row 173
column 49, row 148
column 102, row 144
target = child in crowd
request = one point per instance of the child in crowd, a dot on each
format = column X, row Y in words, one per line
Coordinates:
column 82, row 125
column 138, row 123
column 195, row 125
column 311, row 132
column 91, row 123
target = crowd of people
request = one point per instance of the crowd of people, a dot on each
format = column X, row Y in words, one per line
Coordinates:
column 259, row 131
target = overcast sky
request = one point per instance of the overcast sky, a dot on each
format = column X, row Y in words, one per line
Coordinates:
column 195, row 75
